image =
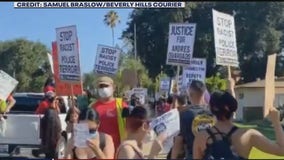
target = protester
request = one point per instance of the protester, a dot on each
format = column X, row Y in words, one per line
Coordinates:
column 46, row 103
column 101, row 145
column 6, row 106
column 197, row 117
column 181, row 106
column 162, row 106
column 49, row 85
column 137, row 126
column 109, row 109
column 50, row 132
column 72, row 118
column 226, row 141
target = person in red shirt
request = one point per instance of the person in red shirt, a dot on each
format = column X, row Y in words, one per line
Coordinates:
column 107, row 109
column 46, row 103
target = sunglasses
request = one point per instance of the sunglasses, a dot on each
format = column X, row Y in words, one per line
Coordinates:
column 103, row 86
column 91, row 131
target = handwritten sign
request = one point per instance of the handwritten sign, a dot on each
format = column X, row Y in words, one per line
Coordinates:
column 68, row 53
column 63, row 88
column 107, row 59
column 195, row 71
column 7, row 85
column 81, row 135
column 180, row 44
column 225, row 39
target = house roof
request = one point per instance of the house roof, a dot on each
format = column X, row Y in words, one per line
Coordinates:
column 279, row 83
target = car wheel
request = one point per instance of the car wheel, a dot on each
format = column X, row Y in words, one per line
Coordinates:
column 61, row 147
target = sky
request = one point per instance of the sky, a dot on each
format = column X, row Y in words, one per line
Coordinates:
column 39, row 25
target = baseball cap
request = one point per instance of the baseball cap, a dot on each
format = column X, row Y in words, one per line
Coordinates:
column 104, row 80
column 50, row 94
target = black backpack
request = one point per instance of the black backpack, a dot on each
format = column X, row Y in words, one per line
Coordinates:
column 220, row 148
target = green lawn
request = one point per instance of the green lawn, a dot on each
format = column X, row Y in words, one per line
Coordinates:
column 268, row 131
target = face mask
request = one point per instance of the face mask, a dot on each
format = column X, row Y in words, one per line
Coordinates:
column 105, row 92
column 93, row 133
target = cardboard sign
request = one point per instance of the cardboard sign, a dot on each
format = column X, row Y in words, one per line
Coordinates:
column 225, row 39
column 7, row 85
column 129, row 77
column 63, row 88
column 107, row 60
column 181, row 43
column 269, row 84
column 68, row 54
column 195, row 71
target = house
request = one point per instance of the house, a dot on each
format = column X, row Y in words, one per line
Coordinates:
column 250, row 97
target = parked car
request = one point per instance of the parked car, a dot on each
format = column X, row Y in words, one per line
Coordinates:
column 22, row 126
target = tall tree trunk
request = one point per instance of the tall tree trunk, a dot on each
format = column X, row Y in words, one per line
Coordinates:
column 112, row 37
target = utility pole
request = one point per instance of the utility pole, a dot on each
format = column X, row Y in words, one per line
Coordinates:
column 135, row 45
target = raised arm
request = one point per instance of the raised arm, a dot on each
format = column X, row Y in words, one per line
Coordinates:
column 264, row 144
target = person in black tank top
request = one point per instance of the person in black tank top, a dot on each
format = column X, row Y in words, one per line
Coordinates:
column 226, row 141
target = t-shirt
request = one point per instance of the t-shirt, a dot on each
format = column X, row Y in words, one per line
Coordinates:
column 192, row 121
column 163, row 108
column 42, row 107
column 108, row 119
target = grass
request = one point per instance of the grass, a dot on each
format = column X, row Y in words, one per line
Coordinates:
column 266, row 129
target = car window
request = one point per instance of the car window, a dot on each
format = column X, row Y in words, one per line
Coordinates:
column 26, row 104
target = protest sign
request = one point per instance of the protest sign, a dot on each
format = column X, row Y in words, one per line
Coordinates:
column 129, row 77
column 225, row 39
column 168, row 123
column 195, row 71
column 81, row 135
column 68, row 54
column 107, row 60
column 63, row 88
column 180, row 44
column 165, row 84
column 269, row 84
column 7, row 85
column 50, row 62
column 141, row 93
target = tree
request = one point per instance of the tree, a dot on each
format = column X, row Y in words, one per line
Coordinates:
column 111, row 19
column 259, row 32
column 25, row 59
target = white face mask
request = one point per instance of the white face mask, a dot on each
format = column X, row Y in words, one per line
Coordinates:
column 105, row 92
column 148, row 137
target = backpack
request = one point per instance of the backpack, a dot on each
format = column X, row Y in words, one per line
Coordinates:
column 220, row 148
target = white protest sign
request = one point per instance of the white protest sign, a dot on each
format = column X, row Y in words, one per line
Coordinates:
column 168, row 123
column 181, row 43
column 68, row 54
column 50, row 62
column 81, row 135
column 107, row 59
column 225, row 39
column 165, row 84
column 7, row 85
column 195, row 71
column 141, row 93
